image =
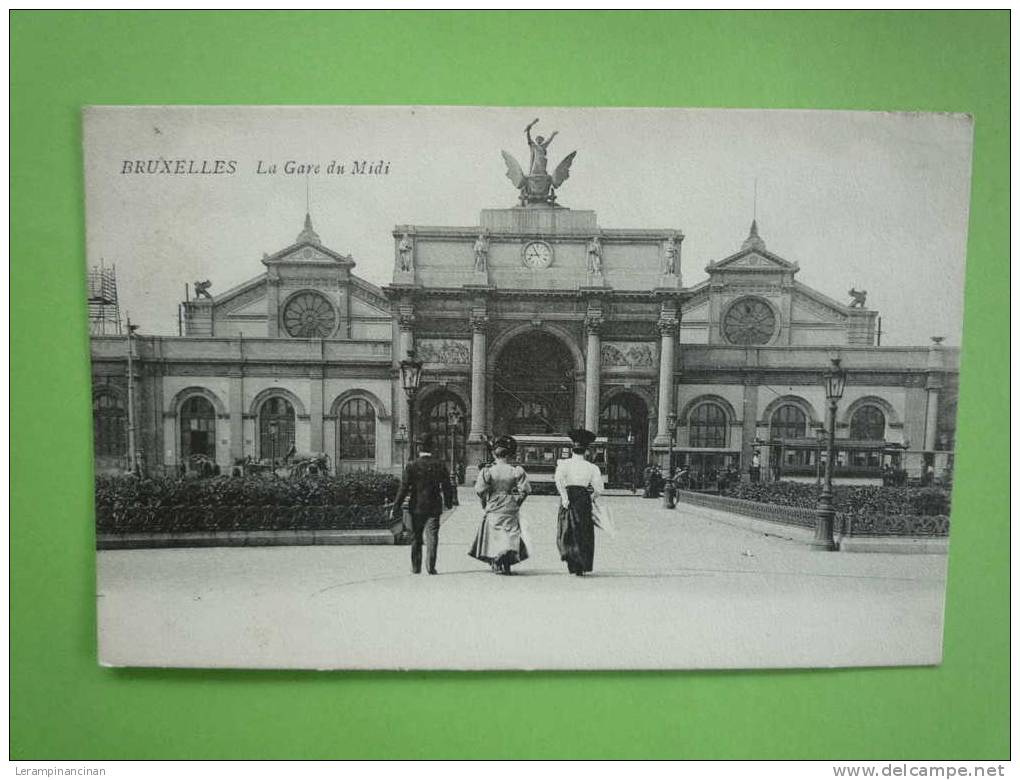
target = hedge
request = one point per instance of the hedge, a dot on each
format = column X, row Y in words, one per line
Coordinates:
column 870, row 500
column 127, row 503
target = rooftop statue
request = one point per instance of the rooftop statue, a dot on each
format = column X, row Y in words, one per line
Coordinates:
column 537, row 186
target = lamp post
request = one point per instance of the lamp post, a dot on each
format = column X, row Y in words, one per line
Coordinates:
column 668, row 498
column 453, row 423
column 835, row 382
column 410, row 380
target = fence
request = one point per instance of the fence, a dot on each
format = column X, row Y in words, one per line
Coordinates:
column 188, row 519
column 845, row 524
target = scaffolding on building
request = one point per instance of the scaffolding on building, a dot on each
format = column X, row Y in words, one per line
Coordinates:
column 104, row 308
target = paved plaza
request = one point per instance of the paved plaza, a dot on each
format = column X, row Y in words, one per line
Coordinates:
column 671, row 589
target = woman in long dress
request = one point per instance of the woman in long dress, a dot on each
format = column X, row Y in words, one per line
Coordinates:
column 502, row 488
column 578, row 482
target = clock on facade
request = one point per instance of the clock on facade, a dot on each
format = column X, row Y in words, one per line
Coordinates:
column 749, row 321
column 309, row 315
column 537, row 254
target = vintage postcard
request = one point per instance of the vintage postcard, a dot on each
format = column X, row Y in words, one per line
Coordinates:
column 509, row 388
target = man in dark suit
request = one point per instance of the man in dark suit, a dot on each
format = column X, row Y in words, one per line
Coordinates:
column 426, row 481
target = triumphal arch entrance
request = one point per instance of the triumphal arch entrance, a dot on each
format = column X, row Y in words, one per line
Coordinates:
column 537, row 319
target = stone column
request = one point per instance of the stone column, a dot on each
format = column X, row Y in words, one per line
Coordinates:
column 479, row 325
column 592, row 367
column 668, row 324
column 235, row 403
column 749, row 429
column 932, row 386
column 315, row 411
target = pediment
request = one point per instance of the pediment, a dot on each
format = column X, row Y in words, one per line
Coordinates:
column 307, row 252
column 753, row 259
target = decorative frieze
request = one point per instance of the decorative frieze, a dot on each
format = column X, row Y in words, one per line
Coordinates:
column 444, row 351
column 628, row 354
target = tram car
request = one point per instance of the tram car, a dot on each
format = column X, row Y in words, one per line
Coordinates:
column 538, row 453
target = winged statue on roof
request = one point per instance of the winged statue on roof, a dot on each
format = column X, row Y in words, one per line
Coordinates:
column 537, row 185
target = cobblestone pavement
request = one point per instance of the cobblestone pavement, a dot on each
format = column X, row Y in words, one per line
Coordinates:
column 671, row 589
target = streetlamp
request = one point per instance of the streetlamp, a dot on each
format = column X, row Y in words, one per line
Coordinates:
column 453, row 423
column 631, row 460
column 834, row 381
column 667, row 493
column 410, row 379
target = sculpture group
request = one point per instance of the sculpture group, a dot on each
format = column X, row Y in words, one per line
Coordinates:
column 537, row 186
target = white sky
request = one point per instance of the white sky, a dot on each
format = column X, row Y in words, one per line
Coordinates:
column 877, row 201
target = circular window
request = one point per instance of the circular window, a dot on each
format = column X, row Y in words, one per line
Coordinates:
column 309, row 315
column 749, row 321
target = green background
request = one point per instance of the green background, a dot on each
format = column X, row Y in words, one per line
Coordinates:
column 65, row 706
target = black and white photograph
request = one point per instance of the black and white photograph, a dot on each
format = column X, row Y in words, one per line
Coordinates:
column 479, row 388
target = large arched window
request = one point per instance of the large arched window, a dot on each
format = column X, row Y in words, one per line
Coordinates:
column 868, row 424
column 789, row 422
column 276, row 428
column 109, row 423
column 198, row 428
column 356, row 429
column 707, row 425
column 445, row 419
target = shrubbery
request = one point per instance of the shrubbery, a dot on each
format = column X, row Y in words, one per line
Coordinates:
column 119, row 499
column 850, row 499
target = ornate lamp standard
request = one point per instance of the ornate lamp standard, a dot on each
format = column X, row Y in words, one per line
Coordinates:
column 835, row 382
column 668, row 499
column 410, row 379
column 454, row 421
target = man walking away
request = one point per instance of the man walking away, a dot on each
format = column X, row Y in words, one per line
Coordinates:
column 427, row 482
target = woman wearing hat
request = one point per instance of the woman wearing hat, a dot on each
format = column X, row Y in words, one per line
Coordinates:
column 502, row 488
column 578, row 482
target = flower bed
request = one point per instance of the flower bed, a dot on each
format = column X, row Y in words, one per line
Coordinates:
column 174, row 505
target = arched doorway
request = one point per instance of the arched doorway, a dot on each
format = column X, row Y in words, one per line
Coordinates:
column 533, row 386
column 443, row 416
column 198, row 428
column 624, row 423
column 276, row 428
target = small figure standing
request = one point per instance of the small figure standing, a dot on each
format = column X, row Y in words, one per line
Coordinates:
column 481, row 252
column 672, row 255
column 595, row 255
column 406, row 249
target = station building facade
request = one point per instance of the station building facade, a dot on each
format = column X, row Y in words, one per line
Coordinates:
column 534, row 320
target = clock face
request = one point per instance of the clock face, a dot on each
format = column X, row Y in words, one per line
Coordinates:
column 537, row 254
column 749, row 321
column 310, row 316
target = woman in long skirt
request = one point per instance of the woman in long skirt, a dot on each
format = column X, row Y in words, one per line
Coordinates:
column 502, row 488
column 577, row 482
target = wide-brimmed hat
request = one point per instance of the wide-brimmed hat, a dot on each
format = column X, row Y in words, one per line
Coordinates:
column 581, row 437
column 505, row 443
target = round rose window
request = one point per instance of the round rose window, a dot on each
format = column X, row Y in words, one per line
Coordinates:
column 749, row 321
column 310, row 316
